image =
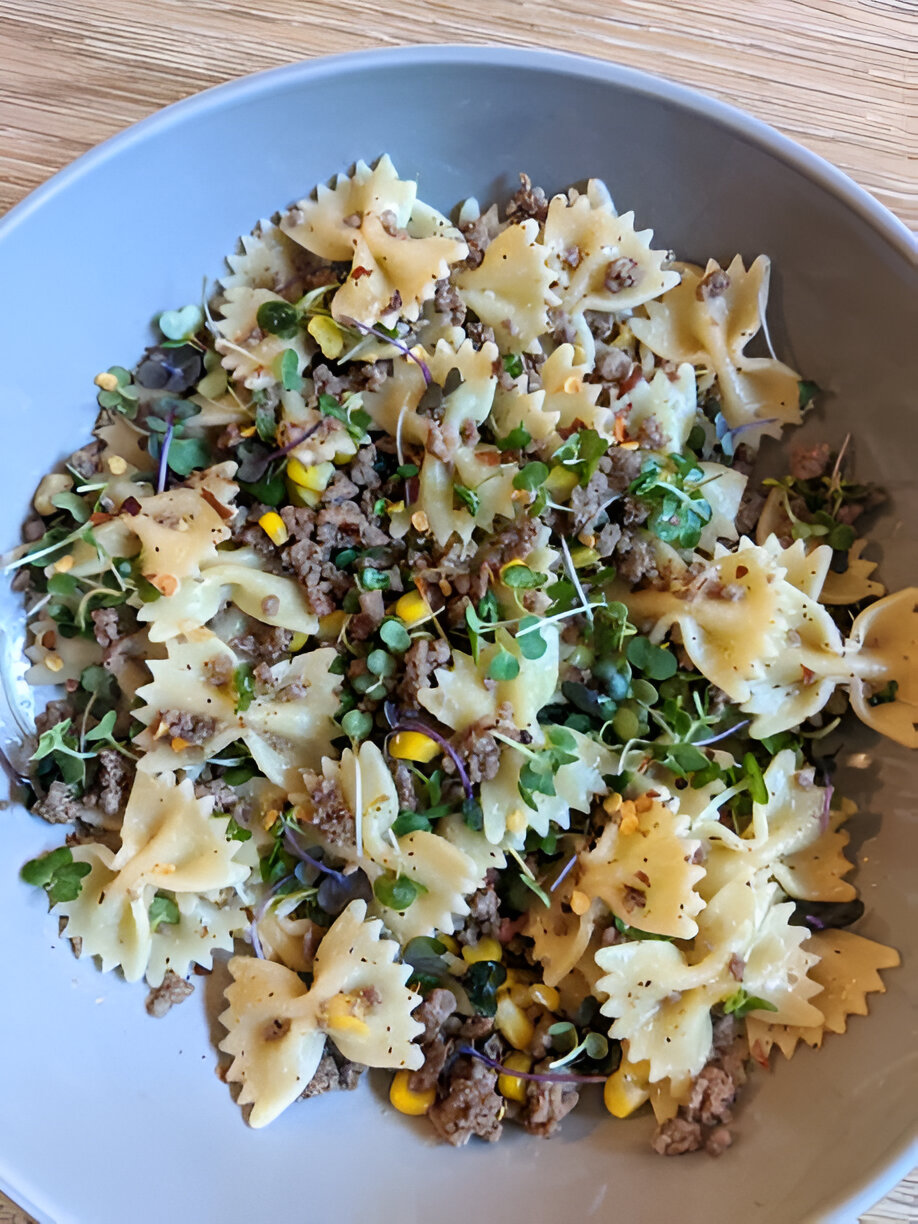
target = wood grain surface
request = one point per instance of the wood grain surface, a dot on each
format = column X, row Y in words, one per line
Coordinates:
column 837, row 75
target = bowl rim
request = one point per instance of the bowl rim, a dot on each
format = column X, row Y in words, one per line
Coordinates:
column 899, row 1161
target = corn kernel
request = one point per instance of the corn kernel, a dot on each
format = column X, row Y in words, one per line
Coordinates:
column 270, row 819
column 116, row 465
column 330, row 626
column 106, row 381
column 513, row 1023
column 572, row 384
column 297, row 642
column 328, row 335
column 420, row 521
column 511, row 1086
column 516, row 821
column 626, row 1090
column 302, row 497
column 274, row 527
column 412, row 608
column 545, row 996
column 338, row 1015
column 413, row 746
column 519, row 992
column 486, row 949
column 612, row 803
column 580, row 902
column 414, row 1104
column 629, row 823
column 63, row 565
column 178, row 744
column 54, row 662
column 247, row 432
column 583, row 556
column 315, row 477
column 449, row 943
column 560, row 482
column 643, row 803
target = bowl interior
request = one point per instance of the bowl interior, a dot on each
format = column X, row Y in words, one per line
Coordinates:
column 132, row 230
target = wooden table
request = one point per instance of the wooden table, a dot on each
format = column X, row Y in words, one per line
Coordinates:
column 830, row 73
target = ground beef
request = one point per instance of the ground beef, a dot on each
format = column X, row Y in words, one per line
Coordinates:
column 59, row 806
column 421, row 659
column 54, row 712
column 546, row 1105
column 363, row 624
column 676, row 1136
column 173, row 990
column 192, row 728
column 607, row 539
column 113, row 782
column 477, row 747
column 612, row 365
column 87, row 460
column 355, row 377
column 810, row 462
column 339, row 489
column 484, row 911
column 601, row 324
column 635, row 559
column 362, row 470
column 610, row 481
column 448, row 302
column 264, row 643
column 335, row 1073
column 433, row 1013
column 527, row 202
column 703, row 1120
column 750, row 508
column 330, row 815
column 225, row 798
column 471, row 1106
column 404, row 784
column 105, row 626
column 511, row 543
column 479, row 235
column 651, row 435
column 562, row 326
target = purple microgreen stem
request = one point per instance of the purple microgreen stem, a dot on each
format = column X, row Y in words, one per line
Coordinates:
column 164, row 453
column 714, row 739
column 399, row 344
column 539, row 1077
column 826, row 807
column 296, row 849
column 425, row 729
column 567, row 867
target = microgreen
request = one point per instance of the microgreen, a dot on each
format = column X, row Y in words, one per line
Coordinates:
column 352, row 415
column 582, row 452
column 163, row 911
column 286, row 371
column 395, row 635
column 631, row 932
column 521, row 577
column 425, row 956
column 357, row 725
column 529, row 642
column 513, row 364
column 806, row 393
column 58, row 745
column 884, row 695
column 504, row 666
column 373, row 579
column 531, row 477
column 244, row 685
column 180, row 325
column 517, row 439
column 755, row 781
column 123, row 398
column 740, row 1004
column 278, row 318
column 655, row 661
column 482, row 981
column 671, row 489
column 397, row 892
column 57, row 874
column 468, row 497
column 234, row 830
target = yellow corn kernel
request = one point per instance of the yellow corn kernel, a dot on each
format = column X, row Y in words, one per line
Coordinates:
column 583, row 556
column 580, row 902
column 413, row 746
column 643, row 803
column 63, row 565
column 511, row 1086
column 412, row 608
column 274, row 527
column 116, row 465
column 178, row 744
column 572, row 384
column 106, row 381
column 270, row 819
column 297, row 642
column 630, row 823
column 302, row 497
column 54, row 662
column 516, row 821
column 612, row 803
column 330, row 626
column 248, row 432
column 519, row 992
column 545, row 996
column 327, row 335
column 449, row 943
column 561, row 482
column 339, row 1018
column 486, row 949
column 513, row 1023
column 315, row 477
column 626, row 1090
column 420, row 522
column 414, row 1104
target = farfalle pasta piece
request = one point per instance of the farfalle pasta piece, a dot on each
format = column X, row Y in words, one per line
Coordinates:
column 462, row 697
column 885, row 636
column 169, row 840
column 560, row 937
column 643, row 870
column 570, row 400
column 847, row 971
column 507, row 818
column 599, row 260
column 665, row 406
column 269, row 259
column 709, row 324
column 207, row 924
column 509, row 291
column 277, row 1026
column 247, row 352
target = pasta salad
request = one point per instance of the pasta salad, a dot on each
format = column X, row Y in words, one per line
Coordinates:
column 426, row 644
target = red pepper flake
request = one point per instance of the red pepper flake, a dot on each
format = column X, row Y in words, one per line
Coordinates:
column 225, row 512
column 359, row 271
column 643, row 877
column 634, row 376
column 98, row 517
column 807, row 674
column 130, row 505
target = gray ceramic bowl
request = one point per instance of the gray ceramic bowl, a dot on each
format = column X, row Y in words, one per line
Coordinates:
column 108, row 1116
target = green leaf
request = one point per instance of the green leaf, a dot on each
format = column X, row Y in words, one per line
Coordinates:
column 529, row 882
column 265, row 420
column 286, row 369
column 531, row 477
column 67, row 882
column 654, row 661
column 407, row 470
column 806, row 392
column 270, row 490
column 682, row 759
column 180, row 324
column 163, row 909
column 100, row 682
column 57, row 873
column 521, row 577
column 517, row 439
column 188, row 454
column 395, row 635
column 472, row 814
column 631, row 932
column 235, row 831
column 411, row 822
column 373, row 579
column 103, row 729
column 529, row 641
column 381, row 663
column 504, row 666
column 884, row 695
column 468, row 497
column 757, row 788
column 596, row 1046
column 396, row 892
column 740, row 1004
column 482, row 981
column 357, row 725
column 73, row 504
column 39, row 871
column 513, row 364
column 278, row 318
column 244, row 684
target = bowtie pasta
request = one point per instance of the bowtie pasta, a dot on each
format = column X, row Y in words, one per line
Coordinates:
column 427, row 645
